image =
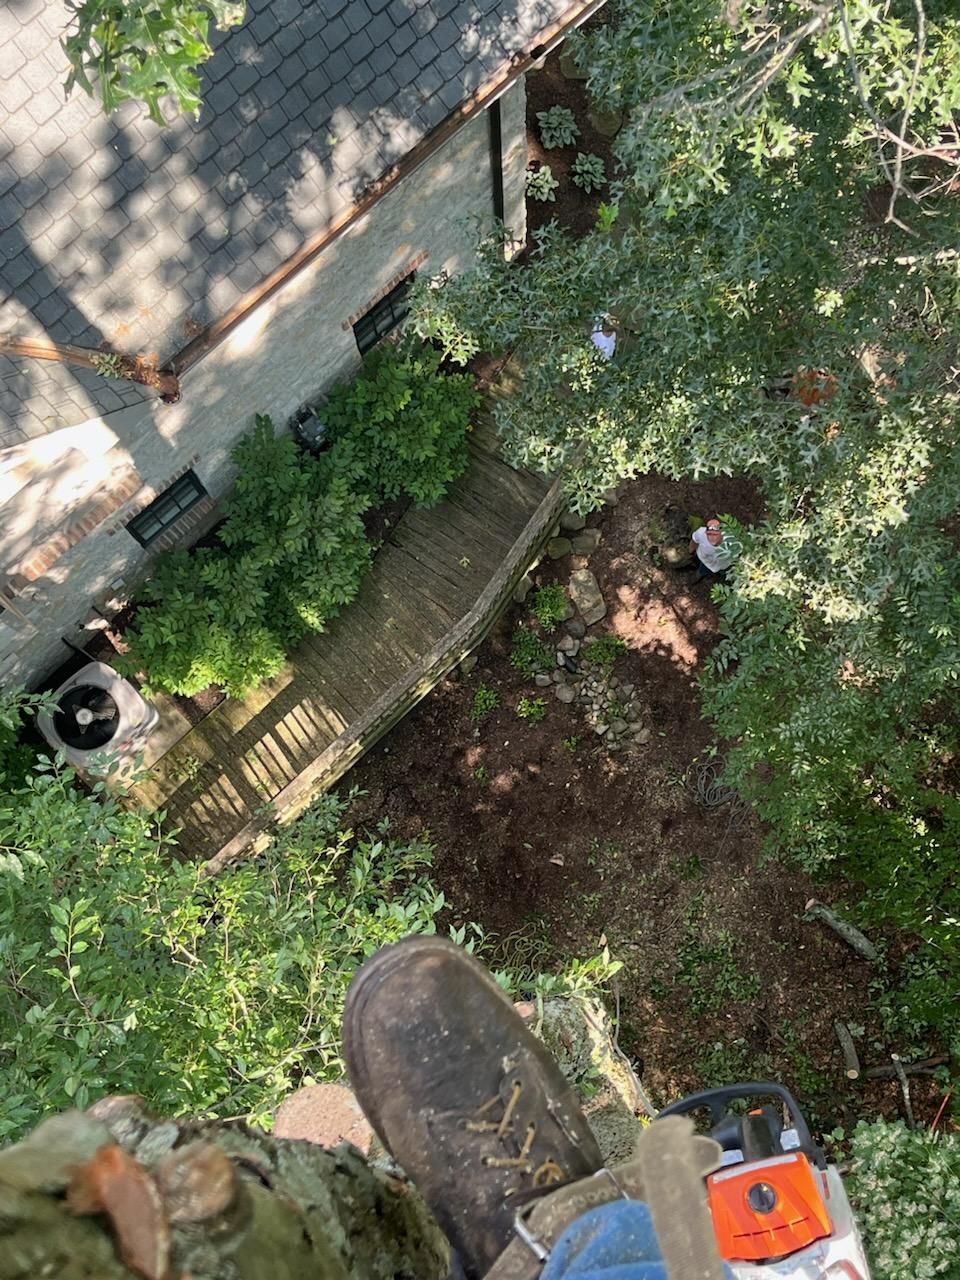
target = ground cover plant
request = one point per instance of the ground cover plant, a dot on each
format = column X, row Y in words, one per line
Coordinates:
column 294, row 550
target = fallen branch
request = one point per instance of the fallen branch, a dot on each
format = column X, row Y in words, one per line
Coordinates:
column 923, row 1067
column 849, row 933
column 849, row 1050
column 904, row 1088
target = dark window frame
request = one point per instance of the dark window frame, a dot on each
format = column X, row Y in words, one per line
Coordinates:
column 384, row 316
column 166, row 509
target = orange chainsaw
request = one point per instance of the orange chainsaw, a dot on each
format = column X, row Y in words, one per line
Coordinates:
column 780, row 1211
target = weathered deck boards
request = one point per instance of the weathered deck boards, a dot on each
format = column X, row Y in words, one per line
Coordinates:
column 427, row 577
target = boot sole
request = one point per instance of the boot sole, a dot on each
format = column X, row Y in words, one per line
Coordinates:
column 368, row 979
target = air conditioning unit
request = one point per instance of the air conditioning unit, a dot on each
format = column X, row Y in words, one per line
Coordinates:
column 100, row 722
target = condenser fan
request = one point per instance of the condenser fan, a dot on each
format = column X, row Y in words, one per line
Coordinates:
column 86, row 717
column 99, row 721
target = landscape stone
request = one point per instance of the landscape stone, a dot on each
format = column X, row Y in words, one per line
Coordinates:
column 557, row 548
column 558, row 676
column 568, row 611
column 585, row 594
column 575, row 627
column 468, row 663
column 611, row 498
column 523, row 589
column 618, row 726
column 643, row 736
column 631, row 713
column 600, row 729
column 571, row 522
column 542, row 680
column 584, row 544
column 569, row 645
column 565, row 693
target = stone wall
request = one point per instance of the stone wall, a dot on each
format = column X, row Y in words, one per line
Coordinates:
column 292, row 347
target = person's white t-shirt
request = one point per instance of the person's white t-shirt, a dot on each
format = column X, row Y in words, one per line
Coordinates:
column 607, row 342
column 716, row 558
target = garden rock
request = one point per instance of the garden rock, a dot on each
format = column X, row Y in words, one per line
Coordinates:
column 558, row 676
column 606, row 123
column 585, row 594
column 569, row 645
column 575, row 628
column 584, row 544
column 569, row 68
column 541, row 680
column 618, row 726
column 523, row 589
column 642, row 736
column 468, row 663
column 565, row 693
column 557, row 548
column 571, row 522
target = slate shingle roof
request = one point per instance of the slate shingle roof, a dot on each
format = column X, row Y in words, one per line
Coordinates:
column 117, row 232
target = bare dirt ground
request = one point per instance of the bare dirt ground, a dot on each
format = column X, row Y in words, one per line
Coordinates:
column 552, row 844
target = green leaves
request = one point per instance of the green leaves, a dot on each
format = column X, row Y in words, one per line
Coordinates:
column 147, row 52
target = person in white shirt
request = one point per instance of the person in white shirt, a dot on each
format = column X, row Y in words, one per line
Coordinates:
column 714, row 557
column 604, row 336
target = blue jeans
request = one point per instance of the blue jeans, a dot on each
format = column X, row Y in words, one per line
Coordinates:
column 614, row 1241
column 704, row 572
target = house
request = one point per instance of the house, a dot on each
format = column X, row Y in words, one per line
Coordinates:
column 253, row 254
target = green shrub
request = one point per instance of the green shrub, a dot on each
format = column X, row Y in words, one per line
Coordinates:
column 604, row 652
column 532, row 709
column 588, row 172
column 485, row 700
column 529, row 654
column 541, row 184
column 905, row 1190
column 294, row 548
column 557, row 127
column 401, row 426
column 550, row 605
column 294, row 553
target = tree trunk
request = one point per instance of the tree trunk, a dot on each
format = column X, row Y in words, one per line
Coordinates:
column 156, row 1199
column 115, row 1193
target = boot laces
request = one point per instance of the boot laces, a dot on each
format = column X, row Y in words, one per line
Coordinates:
column 544, row 1174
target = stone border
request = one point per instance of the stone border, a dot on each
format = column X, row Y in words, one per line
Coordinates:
column 418, row 681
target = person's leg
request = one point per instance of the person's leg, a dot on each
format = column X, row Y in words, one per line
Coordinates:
column 615, row 1241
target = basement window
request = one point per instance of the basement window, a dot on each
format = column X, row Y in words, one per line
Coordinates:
column 166, row 510
column 383, row 316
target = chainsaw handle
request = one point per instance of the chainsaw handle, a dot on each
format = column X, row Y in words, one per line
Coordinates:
column 717, row 1101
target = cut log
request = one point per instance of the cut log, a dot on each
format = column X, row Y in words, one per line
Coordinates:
column 923, row 1067
column 850, row 934
column 849, row 1050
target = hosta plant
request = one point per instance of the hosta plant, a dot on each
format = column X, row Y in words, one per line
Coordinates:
column 588, row 172
column 557, row 127
column 541, row 184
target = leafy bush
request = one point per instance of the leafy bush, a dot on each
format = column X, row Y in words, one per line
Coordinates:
column 557, row 127
column 127, row 970
column 905, row 1189
column 485, row 700
column 529, row 654
column 401, row 426
column 16, row 757
column 550, row 605
column 604, row 652
column 588, row 172
column 294, row 553
column 541, row 184
column 294, row 548
column 534, row 709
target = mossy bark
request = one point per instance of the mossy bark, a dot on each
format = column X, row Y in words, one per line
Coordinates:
column 218, row 1202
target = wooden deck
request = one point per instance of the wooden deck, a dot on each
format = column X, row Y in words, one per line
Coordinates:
column 424, row 580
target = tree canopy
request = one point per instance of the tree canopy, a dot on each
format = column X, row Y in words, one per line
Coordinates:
column 120, row 50
column 781, row 254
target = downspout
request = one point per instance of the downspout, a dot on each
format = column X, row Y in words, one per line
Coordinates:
column 495, row 125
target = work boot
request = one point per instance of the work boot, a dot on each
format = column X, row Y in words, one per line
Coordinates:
column 461, row 1094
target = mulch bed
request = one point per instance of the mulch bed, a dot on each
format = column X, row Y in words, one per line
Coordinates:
column 572, row 208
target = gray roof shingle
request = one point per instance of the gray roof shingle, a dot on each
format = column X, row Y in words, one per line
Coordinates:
column 116, row 231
